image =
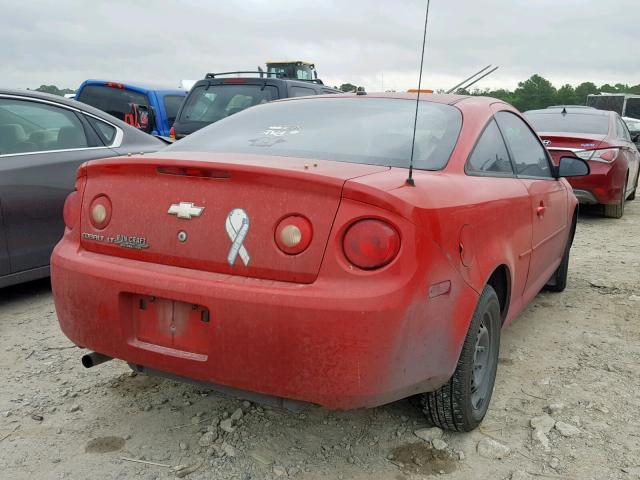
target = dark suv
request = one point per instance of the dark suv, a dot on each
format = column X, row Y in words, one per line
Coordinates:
column 220, row 95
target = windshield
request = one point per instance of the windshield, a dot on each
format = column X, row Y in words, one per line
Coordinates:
column 595, row 124
column 360, row 130
column 215, row 102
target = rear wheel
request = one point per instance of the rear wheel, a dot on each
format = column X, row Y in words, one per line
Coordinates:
column 462, row 403
column 633, row 194
column 558, row 281
column 617, row 210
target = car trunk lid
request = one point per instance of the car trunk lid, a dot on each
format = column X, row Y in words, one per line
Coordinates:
column 559, row 144
column 188, row 213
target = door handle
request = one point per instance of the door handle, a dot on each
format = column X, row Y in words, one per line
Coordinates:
column 541, row 209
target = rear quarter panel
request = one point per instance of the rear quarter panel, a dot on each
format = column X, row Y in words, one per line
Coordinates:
column 493, row 215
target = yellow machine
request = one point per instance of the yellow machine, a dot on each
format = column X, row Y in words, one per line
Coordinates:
column 295, row 69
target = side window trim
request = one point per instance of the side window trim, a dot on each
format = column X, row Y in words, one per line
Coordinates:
column 93, row 138
column 474, row 173
column 511, row 156
column 117, row 139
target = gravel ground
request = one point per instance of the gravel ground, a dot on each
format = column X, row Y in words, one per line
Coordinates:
column 566, row 403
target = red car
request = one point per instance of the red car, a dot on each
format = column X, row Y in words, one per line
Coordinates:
column 284, row 251
column 601, row 138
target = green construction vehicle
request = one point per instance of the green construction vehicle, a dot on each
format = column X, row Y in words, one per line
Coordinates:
column 294, row 69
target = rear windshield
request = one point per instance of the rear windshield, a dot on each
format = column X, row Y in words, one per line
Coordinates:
column 359, row 130
column 215, row 102
column 569, row 123
column 172, row 105
column 114, row 101
column 614, row 103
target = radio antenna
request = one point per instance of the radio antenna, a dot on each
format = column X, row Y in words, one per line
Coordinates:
column 410, row 181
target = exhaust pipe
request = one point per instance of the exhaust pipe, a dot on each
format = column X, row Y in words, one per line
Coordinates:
column 92, row 359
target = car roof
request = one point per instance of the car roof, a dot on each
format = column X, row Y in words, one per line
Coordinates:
column 293, row 81
column 576, row 109
column 138, row 86
column 52, row 98
column 443, row 98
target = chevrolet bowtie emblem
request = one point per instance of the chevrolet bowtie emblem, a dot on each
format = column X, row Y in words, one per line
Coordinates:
column 185, row 210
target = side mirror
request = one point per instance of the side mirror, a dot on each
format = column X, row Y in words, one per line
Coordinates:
column 573, row 167
column 636, row 137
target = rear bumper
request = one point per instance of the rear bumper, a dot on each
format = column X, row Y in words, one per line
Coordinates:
column 585, row 197
column 603, row 185
column 327, row 343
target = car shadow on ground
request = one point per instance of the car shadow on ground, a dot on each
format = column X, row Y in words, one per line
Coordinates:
column 24, row 291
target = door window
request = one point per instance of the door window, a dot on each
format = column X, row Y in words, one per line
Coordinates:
column 490, row 156
column 296, row 91
column 29, row 126
column 623, row 131
column 527, row 153
column 172, row 105
column 106, row 132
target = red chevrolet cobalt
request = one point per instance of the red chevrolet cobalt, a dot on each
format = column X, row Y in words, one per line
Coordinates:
column 601, row 138
column 286, row 251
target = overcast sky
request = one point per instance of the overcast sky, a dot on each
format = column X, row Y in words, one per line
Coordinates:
column 357, row 41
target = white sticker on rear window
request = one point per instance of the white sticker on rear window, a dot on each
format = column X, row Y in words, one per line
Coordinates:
column 281, row 130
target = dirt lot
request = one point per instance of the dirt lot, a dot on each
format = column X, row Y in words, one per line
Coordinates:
column 575, row 355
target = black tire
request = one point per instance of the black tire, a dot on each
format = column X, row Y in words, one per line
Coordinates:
column 558, row 281
column 615, row 211
column 461, row 403
column 633, row 194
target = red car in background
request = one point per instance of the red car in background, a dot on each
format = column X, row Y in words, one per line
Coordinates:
column 601, row 138
column 283, row 251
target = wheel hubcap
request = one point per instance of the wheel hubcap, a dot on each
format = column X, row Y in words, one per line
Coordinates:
column 482, row 364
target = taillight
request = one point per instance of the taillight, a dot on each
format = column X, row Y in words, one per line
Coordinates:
column 172, row 133
column 606, row 155
column 371, row 244
column 293, row 234
column 71, row 209
column 100, row 212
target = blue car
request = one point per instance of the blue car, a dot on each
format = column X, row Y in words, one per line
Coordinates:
column 150, row 108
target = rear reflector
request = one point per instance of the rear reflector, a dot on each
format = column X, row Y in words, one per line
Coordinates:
column 293, row 234
column 371, row 244
column 71, row 209
column 100, row 212
column 194, row 172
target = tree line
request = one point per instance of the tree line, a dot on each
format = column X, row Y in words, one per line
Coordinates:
column 535, row 92
column 538, row 92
